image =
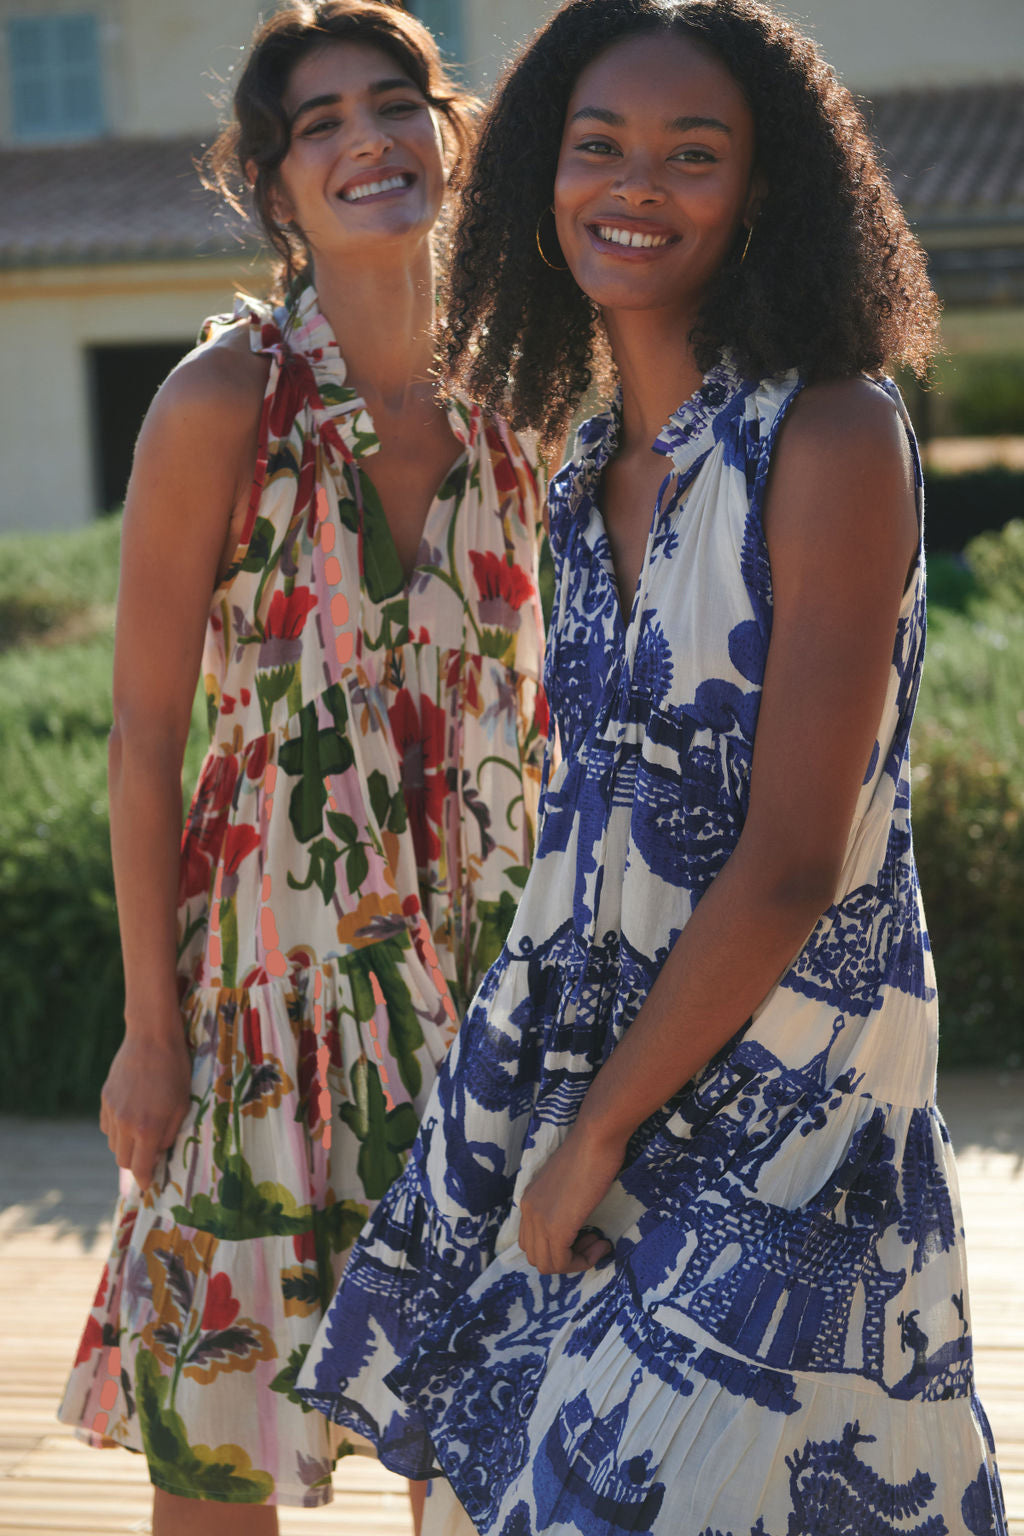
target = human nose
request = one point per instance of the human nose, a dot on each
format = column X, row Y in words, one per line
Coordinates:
column 636, row 183
column 370, row 139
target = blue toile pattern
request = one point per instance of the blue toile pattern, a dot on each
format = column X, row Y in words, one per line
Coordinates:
column 780, row 1343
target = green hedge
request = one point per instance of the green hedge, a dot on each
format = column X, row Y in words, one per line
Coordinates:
column 60, row 980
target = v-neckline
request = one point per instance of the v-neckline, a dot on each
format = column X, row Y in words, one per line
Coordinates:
column 408, row 577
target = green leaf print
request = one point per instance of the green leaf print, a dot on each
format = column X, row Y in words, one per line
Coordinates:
column 271, row 686
column 389, row 810
column 323, row 856
column 286, row 1378
column 494, row 919
column 454, row 486
column 498, row 643
column 337, row 1226
column 222, row 1472
column 260, row 545
column 357, row 867
column 384, row 1134
column 243, row 1208
column 343, row 827
column 405, row 1037
column 310, row 757
column 228, row 942
column 382, row 569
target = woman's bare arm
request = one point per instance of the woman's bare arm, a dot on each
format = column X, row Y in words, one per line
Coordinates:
column 841, row 526
column 192, row 463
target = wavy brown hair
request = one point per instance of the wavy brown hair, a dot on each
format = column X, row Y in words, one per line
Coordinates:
column 833, row 282
column 242, row 162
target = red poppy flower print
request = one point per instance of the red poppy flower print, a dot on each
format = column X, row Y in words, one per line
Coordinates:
column 420, row 742
column 287, row 616
column 304, row 1244
column 505, row 479
column 221, row 1307
column 204, row 830
column 239, row 842
column 504, row 588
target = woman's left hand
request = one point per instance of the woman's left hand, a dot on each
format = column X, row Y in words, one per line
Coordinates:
column 555, row 1207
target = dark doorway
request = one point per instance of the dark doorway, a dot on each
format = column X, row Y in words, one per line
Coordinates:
column 122, row 383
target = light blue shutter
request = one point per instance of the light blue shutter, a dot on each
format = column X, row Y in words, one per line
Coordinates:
column 56, row 89
column 444, row 18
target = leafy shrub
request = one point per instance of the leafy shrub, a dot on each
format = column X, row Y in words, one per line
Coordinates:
column 60, row 970
column 968, row 820
column 968, row 810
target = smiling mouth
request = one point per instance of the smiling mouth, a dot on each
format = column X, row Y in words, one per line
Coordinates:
column 633, row 239
column 366, row 189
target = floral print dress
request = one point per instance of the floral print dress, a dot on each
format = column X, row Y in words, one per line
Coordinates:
column 780, row 1343
column 351, row 862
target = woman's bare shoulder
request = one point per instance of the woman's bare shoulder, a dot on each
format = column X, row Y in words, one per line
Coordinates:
column 223, row 376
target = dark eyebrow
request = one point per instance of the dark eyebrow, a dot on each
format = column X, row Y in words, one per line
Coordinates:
column 377, row 88
column 677, row 125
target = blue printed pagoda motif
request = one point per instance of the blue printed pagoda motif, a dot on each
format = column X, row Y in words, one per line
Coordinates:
column 780, row 1343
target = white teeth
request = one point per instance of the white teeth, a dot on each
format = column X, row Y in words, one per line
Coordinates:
column 371, row 188
column 633, row 238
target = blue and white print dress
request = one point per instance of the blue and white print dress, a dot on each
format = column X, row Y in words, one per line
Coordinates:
column 781, row 1343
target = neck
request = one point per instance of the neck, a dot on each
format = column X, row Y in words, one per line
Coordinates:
column 382, row 315
column 656, row 368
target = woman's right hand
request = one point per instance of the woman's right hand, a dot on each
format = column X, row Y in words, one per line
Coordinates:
column 145, row 1099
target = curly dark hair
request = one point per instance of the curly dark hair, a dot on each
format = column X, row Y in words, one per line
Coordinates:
column 834, row 282
column 242, row 162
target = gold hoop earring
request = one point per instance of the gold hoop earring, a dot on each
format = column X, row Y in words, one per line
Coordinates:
column 746, row 247
column 540, row 248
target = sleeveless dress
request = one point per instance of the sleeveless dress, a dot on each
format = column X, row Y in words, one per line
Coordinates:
column 353, row 855
column 780, row 1344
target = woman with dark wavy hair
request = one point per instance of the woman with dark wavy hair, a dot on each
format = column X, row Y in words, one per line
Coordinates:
column 348, row 557
column 678, row 1248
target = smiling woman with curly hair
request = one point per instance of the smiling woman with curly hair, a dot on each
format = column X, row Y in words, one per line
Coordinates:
column 677, row 1249
column 833, row 281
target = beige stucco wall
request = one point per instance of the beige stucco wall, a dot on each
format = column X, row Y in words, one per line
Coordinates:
column 878, row 44
column 174, row 55
column 872, row 43
column 48, row 319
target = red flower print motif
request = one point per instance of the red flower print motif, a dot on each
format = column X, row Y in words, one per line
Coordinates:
column 420, row 743
column 505, row 478
column 239, row 842
column 287, row 615
column 308, row 1078
column 204, row 831
column 541, row 713
column 92, row 1339
column 221, row 1307
column 465, row 669
column 251, row 1035
column 257, row 758
column 304, row 1244
column 295, row 387
column 504, row 588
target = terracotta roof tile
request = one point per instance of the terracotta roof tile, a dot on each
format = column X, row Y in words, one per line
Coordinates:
column 955, row 154
column 109, row 200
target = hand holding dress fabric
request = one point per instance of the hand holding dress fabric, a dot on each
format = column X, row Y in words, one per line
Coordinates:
column 556, row 1204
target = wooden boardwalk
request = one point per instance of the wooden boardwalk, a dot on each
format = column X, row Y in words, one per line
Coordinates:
column 56, row 1180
